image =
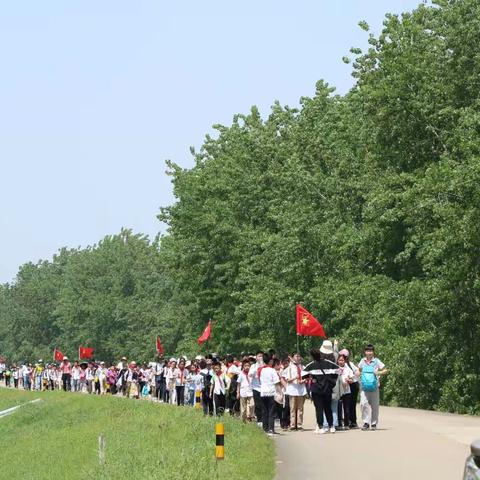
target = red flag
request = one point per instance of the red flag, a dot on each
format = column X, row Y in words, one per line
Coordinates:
column 85, row 352
column 206, row 333
column 308, row 325
column 159, row 346
column 58, row 355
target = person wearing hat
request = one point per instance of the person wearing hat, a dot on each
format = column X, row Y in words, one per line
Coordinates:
column 353, row 373
column 66, row 371
column 323, row 374
column 371, row 369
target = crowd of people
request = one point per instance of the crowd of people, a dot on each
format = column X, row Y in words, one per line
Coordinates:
column 263, row 387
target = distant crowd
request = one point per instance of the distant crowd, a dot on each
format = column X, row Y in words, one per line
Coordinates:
column 261, row 387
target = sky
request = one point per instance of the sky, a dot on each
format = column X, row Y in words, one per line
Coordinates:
column 95, row 96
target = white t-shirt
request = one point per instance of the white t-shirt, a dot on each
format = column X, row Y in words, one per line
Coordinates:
column 292, row 374
column 219, row 382
column 76, row 373
column 253, row 372
column 245, row 383
column 197, row 381
column 354, row 369
column 379, row 365
column 268, row 379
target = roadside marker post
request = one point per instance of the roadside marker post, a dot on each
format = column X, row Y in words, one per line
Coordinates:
column 219, row 441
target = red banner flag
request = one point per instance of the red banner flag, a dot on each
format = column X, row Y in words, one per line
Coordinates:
column 58, row 355
column 159, row 346
column 85, row 352
column 206, row 333
column 308, row 325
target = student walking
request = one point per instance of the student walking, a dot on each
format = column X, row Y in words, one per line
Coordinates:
column 371, row 369
column 269, row 380
column 218, row 387
column 295, row 390
column 323, row 374
column 66, row 371
column 245, row 393
column 354, row 387
column 256, row 387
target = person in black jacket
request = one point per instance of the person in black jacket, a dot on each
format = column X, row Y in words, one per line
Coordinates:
column 323, row 373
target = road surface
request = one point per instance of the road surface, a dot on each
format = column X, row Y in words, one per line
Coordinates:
column 409, row 444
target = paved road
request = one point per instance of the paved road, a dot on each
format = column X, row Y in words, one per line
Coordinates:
column 409, row 444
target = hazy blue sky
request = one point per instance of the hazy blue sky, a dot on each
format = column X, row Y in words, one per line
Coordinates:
column 95, row 95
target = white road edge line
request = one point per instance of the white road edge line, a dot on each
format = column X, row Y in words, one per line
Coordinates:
column 11, row 410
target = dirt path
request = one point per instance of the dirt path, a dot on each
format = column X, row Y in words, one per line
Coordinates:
column 409, row 444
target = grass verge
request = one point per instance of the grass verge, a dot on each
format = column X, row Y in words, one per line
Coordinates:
column 58, row 438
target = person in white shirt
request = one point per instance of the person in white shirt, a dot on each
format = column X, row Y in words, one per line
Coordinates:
column 218, row 389
column 256, row 387
column 346, row 378
column 158, row 375
column 90, row 377
column 171, row 380
column 76, row 369
column 269, row 380
column 245, row 393
column 296, row 391
column 101, row 374
column 354, row 388
column 370, row 368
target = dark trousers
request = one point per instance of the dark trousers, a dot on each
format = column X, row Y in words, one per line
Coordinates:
column 15, row 382
column 219, row 403
column 268, row 413
column 285, row 417
column 66, row 381
column 344, row 410
column 323, row 404
column 207, row 403
column 257, row 400
column 165, row 393
column 180, row 394
column 158, row 387
column 354, row 388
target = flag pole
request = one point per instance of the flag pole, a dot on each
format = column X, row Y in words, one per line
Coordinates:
column 298, row 343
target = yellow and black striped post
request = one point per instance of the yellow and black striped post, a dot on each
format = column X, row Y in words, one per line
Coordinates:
column 198, row 399
column 219, row 441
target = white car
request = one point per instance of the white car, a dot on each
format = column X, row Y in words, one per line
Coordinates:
column 472, row 464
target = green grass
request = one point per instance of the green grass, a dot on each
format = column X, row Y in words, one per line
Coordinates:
column 58, row 438
column 10, row 398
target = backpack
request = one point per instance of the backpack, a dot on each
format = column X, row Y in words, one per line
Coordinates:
column 368, row 379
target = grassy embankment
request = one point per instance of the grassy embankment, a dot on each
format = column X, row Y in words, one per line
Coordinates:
column 58, row 438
